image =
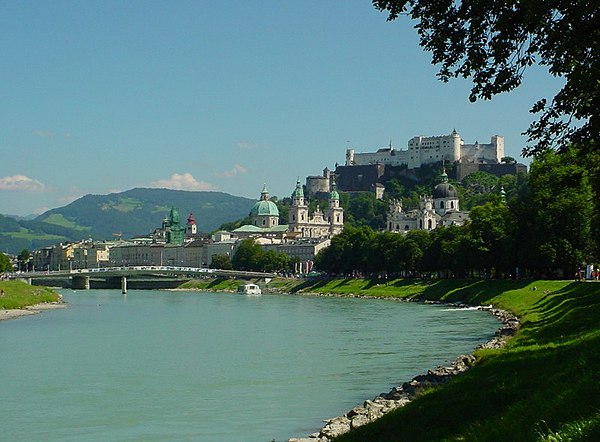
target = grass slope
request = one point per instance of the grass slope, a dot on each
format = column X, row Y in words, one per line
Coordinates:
column 18, row 294
column 544, row 385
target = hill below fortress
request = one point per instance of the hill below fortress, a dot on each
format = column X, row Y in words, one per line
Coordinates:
column 130, row 213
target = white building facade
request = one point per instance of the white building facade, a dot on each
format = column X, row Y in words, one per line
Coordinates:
column 427, row 150
column 440, row 209
column 320, row 224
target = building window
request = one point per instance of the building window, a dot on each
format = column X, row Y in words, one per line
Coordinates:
column 452, row 204
column 428, row 224
column 406, row 227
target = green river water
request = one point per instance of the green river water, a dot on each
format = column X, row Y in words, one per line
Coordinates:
column 192, row 366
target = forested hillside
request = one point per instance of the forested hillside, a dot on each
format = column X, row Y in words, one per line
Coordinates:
column 130, row 213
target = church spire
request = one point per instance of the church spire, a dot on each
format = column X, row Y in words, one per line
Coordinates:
column 298, row 191
column 264, row 194
column 444, row 175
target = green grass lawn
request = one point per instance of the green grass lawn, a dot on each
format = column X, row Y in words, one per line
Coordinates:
column 18, row 294
column 218, row 284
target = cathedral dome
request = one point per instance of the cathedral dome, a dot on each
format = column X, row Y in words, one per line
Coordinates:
column 445, row 190
column 265, row 208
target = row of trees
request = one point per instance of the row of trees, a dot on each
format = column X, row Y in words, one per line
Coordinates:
column 544, row 229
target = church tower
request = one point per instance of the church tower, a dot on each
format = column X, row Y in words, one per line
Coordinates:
column 191, row 229
column 175, row 231
column 335, row 213
column 298, row 213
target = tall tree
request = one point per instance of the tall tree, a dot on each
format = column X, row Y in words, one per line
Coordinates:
column 247, row 256
column 561, row 198
column 489, row 232
column 492, row 42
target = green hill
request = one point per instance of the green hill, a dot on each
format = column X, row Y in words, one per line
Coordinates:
column 130, row 213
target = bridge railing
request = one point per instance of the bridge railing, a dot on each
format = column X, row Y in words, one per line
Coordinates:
column 145, row 269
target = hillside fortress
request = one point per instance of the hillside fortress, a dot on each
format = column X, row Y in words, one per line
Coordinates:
column 427, row 150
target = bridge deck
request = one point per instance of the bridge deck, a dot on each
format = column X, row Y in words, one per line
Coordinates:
column 145, row 270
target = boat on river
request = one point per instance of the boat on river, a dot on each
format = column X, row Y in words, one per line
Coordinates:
column 249, row 289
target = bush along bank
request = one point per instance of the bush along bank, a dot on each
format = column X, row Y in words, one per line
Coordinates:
column 544, row 384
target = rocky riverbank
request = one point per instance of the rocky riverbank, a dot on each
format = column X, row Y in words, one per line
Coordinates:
column 401, row 395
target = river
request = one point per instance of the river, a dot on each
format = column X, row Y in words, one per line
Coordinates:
column 173, row 365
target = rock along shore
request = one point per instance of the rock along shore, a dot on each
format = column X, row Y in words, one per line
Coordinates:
column 401, row 395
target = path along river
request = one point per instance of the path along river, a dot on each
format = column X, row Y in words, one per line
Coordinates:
column 159, row 365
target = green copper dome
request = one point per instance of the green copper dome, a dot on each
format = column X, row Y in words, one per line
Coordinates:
column 264, row 207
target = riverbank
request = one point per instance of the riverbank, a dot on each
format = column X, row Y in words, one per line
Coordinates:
column 18, row 299
column 401, row 395
column 543, row 385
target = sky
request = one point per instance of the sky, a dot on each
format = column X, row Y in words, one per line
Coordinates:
column 105, row 96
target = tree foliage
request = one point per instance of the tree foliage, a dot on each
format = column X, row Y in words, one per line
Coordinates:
column 493, row 42
column 249, row 256
column 221, row 262
column 5, row 264
column 544, row 228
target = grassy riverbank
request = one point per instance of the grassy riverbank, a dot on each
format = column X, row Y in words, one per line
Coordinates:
column 17, row 295
column 219, row 284
column 544, row 385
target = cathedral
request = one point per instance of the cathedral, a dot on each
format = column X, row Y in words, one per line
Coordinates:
column 301, row 224
column 440, row 209
column 322, row 223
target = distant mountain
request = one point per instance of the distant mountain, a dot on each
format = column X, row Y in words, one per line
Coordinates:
column 21, row 217
column 130, row 213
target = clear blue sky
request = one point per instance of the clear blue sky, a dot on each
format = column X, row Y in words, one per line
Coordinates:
column 104, row 96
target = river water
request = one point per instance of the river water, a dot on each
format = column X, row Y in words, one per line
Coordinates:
column 169, row 366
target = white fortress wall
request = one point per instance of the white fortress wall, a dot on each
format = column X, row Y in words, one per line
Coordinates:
column 426, row 150
column 387, row 156
column 489, row 153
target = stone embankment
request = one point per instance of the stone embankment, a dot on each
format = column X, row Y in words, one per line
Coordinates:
column 401, row 395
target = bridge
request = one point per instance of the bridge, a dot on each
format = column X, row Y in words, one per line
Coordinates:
column 80, row 278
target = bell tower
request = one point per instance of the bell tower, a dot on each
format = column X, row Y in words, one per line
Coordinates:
column 298, row 215
column 335, row 213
